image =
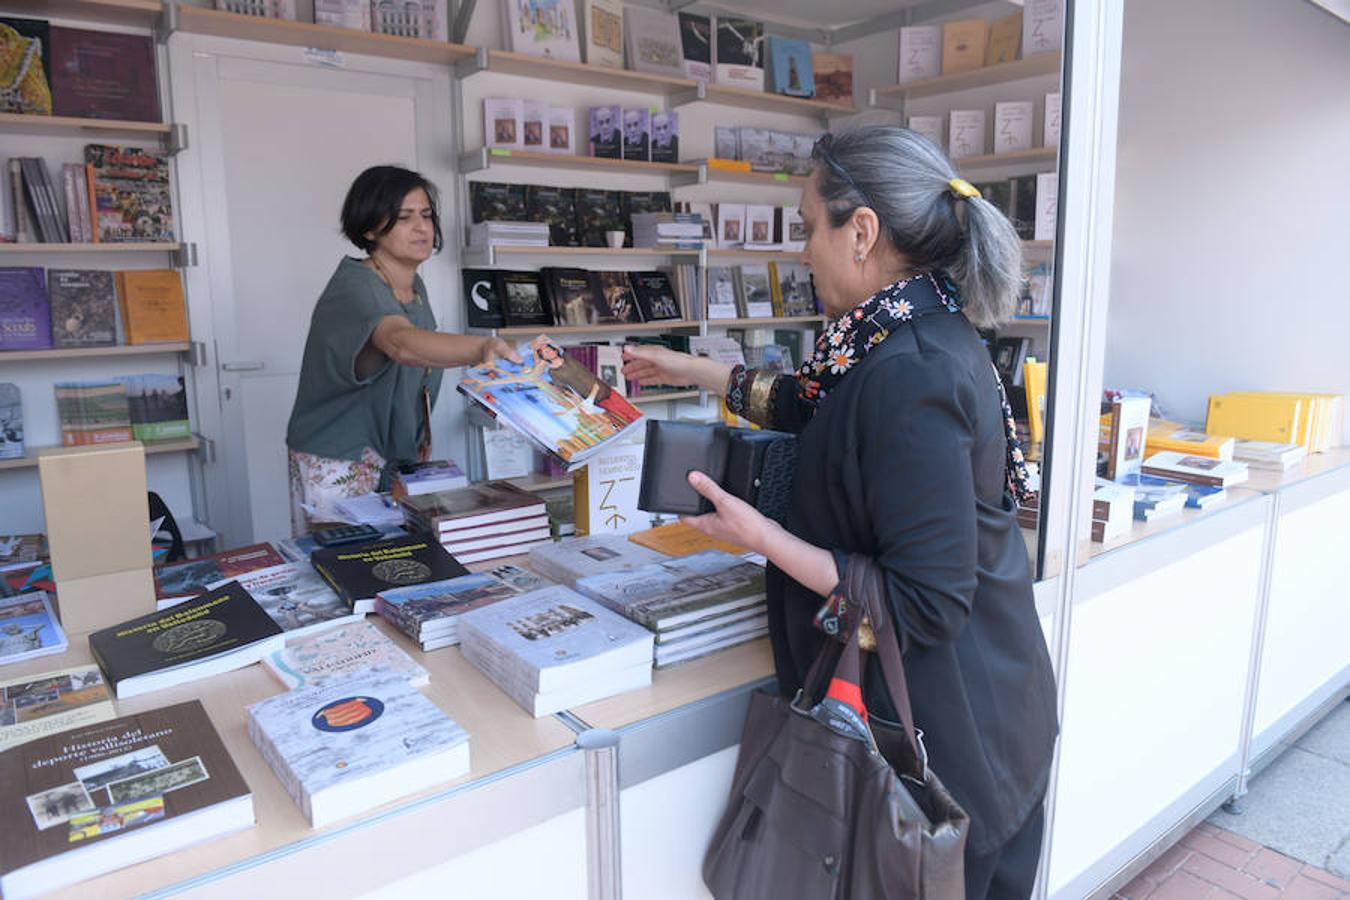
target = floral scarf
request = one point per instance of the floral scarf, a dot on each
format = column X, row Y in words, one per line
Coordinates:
column 850, row 337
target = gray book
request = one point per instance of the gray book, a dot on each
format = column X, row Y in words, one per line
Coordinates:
column 686, row 589
column 596, row 554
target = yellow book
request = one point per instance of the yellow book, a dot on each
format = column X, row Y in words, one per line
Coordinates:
column 1005, row 40
column 1258, row 417
column 1036, row 379
column 963, row 43
column 1164, row 436
column 679, row 539
column 151, row 301
column 1327, row 419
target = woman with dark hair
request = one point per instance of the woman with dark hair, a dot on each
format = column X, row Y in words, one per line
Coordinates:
column 373, row 358
column 906, row 463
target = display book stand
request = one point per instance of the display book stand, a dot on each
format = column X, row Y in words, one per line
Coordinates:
column 63, row 136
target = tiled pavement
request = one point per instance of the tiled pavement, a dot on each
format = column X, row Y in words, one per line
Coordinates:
column 1296, row 826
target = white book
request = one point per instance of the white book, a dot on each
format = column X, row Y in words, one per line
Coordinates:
column 339, row 653
column 1047, row 205
column 794, row 229
column 965, row 133
column 472, row 545
column 1130, row 415
column 730, row 225
column 503, row 122
column 723, row 349
column 506, row 453
column 1041, row 26
column 343, row 13
column 721, row 292
column 604, row 33
column 920, row 53
column 716, row 623
column 546, row 28
column 759, row 221
column 758, row 290
column 546, row 703
column 555, row 638
column 505, row 550
column 343, row 747
column 534, row 125
column 295, row 597
column 593, row 554
column 1050, row 135
column 562, row 122
column 1012, row 126
column 671, row 654
column 653, row 41
column 605, row 492
column 1196, row 469
column 928, row 126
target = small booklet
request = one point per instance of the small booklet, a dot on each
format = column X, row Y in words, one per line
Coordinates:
column 553, row 400
column 28, row 628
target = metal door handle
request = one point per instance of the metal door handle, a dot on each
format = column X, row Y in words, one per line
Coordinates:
column 247, row 366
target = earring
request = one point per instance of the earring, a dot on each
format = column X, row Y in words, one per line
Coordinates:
column 858, row 258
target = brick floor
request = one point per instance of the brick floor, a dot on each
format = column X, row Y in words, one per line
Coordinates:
column 1216, row 864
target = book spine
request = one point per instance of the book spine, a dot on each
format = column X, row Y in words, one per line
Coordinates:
column 23, row 227
column 92, row 188
column 53, row 202
column 32, row 189
column 68, row 183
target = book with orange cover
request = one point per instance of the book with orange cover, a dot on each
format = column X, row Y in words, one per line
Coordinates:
column 152, row 307
column 679, row 539
column 1178, row 438
column 963, row 45
column 129, row 198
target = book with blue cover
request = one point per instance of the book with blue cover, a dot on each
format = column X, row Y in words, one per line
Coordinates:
column 349, row 744
column 790, row 70
column 25, row 315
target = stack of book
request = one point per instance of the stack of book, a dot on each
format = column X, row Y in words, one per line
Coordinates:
column 360, row 571
column 1164, row 436
column 430, row 613
column 1314, row 421
column 1112, row 510
column 346, row 745
column 694, row 604
column 337, row 653
column 508, row 234
column 596, row 554
column 482, row 521
column 1155, row 498
column 553, row 649
column 1201, row 470
column 427, row 478
column 668, row 231
column 1269, row 456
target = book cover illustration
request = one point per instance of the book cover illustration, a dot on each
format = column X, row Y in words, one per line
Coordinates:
column 665, row 137
column 481, row 300
column 552, row 399
column 696, row 45
column 556, row 206
column 920, row 55
column 83, row 307
column 353, row 14
column 834, row 77
column 29, row 628
column 25, row 315
column 158, row 407
column 503, row 120
column 37, row 705
column 293, row 594
column 561, row 121
column 790, row 67
column 11, row 431
column 188, row 579
column 606, row 134
column 492, row 201
column 522, row 298
column 598, row 211
column 617, row 298
column 794, row 285
column 740, row 53
column 632, row 203
column 267, row 9
column 637, row 124
column 25, row 67
column 706, row 581
column 340, row 652
column 359, row 572
column 604, row 33
column 757, row 291
column 412, row 608
column 655, row 296
column 103, row 75
column 533, row 124
column 92, row 412
column 544, row 28
column 129, row 192
column 572, row 294
column 20, row 551
column 425, row 19
column 654, row 43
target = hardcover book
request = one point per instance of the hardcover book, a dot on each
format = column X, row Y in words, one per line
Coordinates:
column 666, row 137
column 546, row 28
column 184, row 580
column 834, row 77
column 675, row 592
column 522, row 298
column 296, row 598
column 157, row 405
column 654, row 41
column 35, row 706
column 637, row 126
column 740, row 53
column 345, row 746
column 966, row 137
column 429, row 613
column 503, row 123
column 1012, row 126
column 146, row 784
column 573, row 297
column 25, row 314
column 790, row 71
column 152, row 305
column 604, row 33
column 606, row 131
column 360, row 572
column 220, row 630
column 27, row 85
column 598, row 211
column 480, row 299
column 920, row 53
column 28, row 628
column 103, row 75
column 83, row 308
column 963, row 45
column 129, row 194
column 339, row 653
column 482, row 504
column 696, row 45
column 615, row 296
column 552, row 399
column 556, row 206
column 11, row 432
column 491, row 201
column 655, row 296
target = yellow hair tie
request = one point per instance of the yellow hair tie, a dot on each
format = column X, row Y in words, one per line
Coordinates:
column 963, row 188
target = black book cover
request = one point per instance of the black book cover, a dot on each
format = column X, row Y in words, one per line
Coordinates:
column 1023, row 206
column 573, row 297
column 655, row 296
column 633, row 202
column 598, row 211
column 360, row 572
column 491, row 201
column 215, row 622
column 740, row 42
column 83, row 307
column 556, row 206
column 522, row 298
column 618, row 302
column 480, row 299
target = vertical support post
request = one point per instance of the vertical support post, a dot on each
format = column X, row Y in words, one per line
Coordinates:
column 604, row 875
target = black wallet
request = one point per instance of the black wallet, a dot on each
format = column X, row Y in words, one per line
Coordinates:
column 756, row 466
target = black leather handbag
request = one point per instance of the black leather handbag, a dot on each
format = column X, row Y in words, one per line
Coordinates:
column 756, row 466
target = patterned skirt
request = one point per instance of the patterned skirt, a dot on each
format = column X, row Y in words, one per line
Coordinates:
column 317, row 483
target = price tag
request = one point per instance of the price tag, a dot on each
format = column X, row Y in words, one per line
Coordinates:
column 501, row 151
column 780, row 176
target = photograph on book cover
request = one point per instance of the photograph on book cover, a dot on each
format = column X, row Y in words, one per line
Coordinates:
column 118, row 817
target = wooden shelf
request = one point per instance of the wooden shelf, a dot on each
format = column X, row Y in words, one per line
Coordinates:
column 1000, row 160
column 754, row 254
column 26, row 124
column 492, row 256
column 142, row 13
column 623, row 328
column 538, row 481
column 745, row 98
column 761, row 178
column 1044, row 64
column 155, row 247
column 507, row 62
column 664, row 397
column 95, row 352
column 487, row 158
column 762, row 321
column 200, row 20
column 176, row 445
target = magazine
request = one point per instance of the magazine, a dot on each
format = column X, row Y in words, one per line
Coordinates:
column 553, row 400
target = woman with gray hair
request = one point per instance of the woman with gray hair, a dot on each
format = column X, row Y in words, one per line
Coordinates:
column 907, row 462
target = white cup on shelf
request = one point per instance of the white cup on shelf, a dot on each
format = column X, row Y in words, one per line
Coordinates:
column 615, row 239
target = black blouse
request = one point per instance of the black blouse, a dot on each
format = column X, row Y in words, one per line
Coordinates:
column 904, row 461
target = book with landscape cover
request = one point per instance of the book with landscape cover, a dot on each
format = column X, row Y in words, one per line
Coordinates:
column 678, row 591
column 84, row 802
column 28, row 628
column 83, row 307
column 521, row 295
column 11, row 430
column 220, row 630
column 339, row 653
column 350, row 744
column 35, row 706
column 20, row 551
column 104, row 75
column 834, row 77
column 430, row 613
column 553, row 400
column 92, row 412
column 129, row 194
column 482, row 504
column 491, row 201
column 360, row 572
column 295, row 596
column 596, row 554
column 556, row 206
column 25, row 316
column 152, row 306
column 158, row 407
column 184, row 580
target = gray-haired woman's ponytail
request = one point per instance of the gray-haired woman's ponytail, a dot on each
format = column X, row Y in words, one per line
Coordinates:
column 934, row 218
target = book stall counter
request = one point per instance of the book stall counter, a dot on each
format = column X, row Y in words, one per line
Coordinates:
column 1140, row 531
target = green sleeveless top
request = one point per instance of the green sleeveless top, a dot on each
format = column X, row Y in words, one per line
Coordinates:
column 338, row 415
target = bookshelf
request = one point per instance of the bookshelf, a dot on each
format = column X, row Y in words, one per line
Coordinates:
column 493, row 157
column 35, row 247
column 705, row 174
column 769, row 322
column 621, row 328
column 492, row 256
column 506, row 62
column 138, row 13
column 1043, row 64
column 1032, row 157
column 95, row 352
column 177, row 445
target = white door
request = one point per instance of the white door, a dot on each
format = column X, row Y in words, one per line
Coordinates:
column 281, row 143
